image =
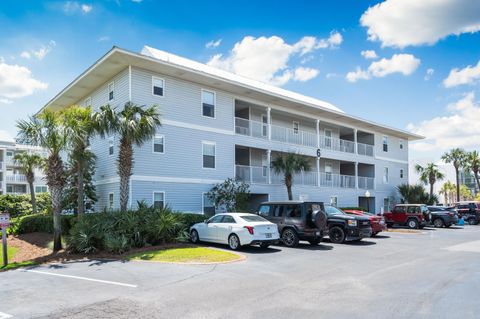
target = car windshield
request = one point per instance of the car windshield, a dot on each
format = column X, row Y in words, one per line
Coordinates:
column 253, row 218
column 330, row 210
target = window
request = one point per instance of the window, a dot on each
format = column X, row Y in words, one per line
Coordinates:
column 278, row 211
column 158, row 200
column 264, row 210
column 110, row 146
column 293, row 211
column 253, row 218
column 111, row 89
column 88, row 101
column 265, row 165
column 208, row 103
column 328, row 172
column 264, row 125
column 386, row 204
column 9, row 189
column 158, row 85
column 208, row 151
column 385, row 175
column 328, row 138
column 110, row 200
column 230, row 220
column 296, row 127
column 334, row 201
column 385, row 143
column 159, row 144
column 331, row 210
column 208, row 206
column 401, row 173
column 216, row 219
column 400, row 209
column 400, row 144
column 40, row 189
column 9, row 154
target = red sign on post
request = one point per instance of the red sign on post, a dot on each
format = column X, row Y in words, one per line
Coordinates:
column 4, row 220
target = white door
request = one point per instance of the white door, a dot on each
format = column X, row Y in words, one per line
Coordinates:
column 328, row 173
column 264, row 124
column 210, row 232
column 328, row 138
column 225, row 229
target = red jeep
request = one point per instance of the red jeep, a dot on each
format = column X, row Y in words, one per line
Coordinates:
column 411, row 215
column 377, row 222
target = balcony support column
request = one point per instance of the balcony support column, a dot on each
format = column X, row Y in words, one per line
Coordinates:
column 355, row 145
column 269, row 169
column 356, row 175
column 318, row 171
column 269, row 123
column 318, row 133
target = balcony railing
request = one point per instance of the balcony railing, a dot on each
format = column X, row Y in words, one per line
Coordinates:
column 288, row 135
column 251, row 128
column 364, row 149
column 337, row 180
column 16, row 178
column 251, row 174
column 366, row 182
column 337, row 144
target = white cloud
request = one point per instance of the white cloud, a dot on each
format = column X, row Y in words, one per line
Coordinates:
column 405, row 64
column 402, row 23
column 73, row 7
column 428, row 74
column 304, row 74
column 103, row 38
column 267, row 59
column 5, row 101
column 41, row 52
column 369, row 54
column 467, row 75
column 213, row 44
column 17, row 81
column 457, row 129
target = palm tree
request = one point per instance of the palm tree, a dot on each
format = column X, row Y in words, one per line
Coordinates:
column 455, row 156
column 80, row 127
column 288, row 165
column 448, row 191
column 473, row 163
column 46, row 130
column 416, row 194
column 429, row 174
column 28, row 163
column 465, row 193
column 135, row 125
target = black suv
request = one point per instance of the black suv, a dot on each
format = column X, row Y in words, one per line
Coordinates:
column 469, row 211
column 296, row 220
column 442, row 216
column 343, row 227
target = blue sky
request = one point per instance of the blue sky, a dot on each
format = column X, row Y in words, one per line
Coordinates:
column 47, row 44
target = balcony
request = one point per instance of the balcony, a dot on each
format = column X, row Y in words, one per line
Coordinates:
column 251, row 128
column 365, row 149
column 337, row 180
column 366, row 182
column 337, row 144
column 298, row 137
column 16, row 178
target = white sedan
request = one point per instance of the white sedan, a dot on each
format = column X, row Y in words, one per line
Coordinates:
column 236, row 230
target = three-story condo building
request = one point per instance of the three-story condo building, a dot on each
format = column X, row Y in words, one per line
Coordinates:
column 217, row 125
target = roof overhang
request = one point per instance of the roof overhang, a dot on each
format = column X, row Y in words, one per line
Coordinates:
column 117, row 59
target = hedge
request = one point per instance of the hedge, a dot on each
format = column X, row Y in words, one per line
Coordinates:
column 39, row 223
column 19, row 205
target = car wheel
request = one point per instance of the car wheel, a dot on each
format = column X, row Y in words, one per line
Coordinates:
column 390, row 225
column 438, row 223
column 264, row 245
column 412, row 224
column 234, row 242
column 315, row 241
column 374, row 234
column 290, row 237
column 336, row 234
column 471, row 221
column 194, row 236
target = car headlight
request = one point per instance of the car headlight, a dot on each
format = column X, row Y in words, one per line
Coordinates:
column 352, row 223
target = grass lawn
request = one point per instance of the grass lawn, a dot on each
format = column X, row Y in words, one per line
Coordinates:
column 11, row 251
column 187, row 255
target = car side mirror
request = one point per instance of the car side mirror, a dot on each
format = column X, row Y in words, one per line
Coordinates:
column 206, row 221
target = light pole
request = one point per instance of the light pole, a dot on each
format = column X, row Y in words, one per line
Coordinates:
column 367, row 195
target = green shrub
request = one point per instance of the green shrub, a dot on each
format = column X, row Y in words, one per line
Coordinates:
column 191, row 219
column 19, row 205
column 39, row 223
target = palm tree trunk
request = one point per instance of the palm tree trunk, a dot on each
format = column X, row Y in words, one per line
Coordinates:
column 80, row 191
column 288, row 184
column 457, row 176
column 32, row 196
column 125, row 163
column 477, row 179
column 431, row 190
column 57, row 226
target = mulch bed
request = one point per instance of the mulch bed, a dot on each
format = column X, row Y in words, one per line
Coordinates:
column 33, row 247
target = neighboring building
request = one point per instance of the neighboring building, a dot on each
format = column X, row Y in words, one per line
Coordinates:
column 217, row 125
column 12, row 179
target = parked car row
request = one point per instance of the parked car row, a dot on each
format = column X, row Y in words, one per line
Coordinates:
column 291, row 221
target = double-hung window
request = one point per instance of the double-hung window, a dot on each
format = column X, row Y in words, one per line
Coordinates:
column 40, row 189
column 208, row 152
column 158, row 86
column 208, row 103
column 385, row 143
column 159, row 144
column 110, row 200
column 111, row 91
column 400, row 144
column 158, row 200
column 401, row 173
column 110, row 145
column 385, row 175
column 208, row 206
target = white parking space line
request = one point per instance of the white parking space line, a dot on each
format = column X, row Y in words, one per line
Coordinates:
column 471, row 246
column 5, row 315
column 81, row 278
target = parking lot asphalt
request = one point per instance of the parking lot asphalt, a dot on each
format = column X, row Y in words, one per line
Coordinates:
column 431, row 274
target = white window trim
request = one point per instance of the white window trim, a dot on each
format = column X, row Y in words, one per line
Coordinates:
column 203, row 202
column 401, row 144
column 108, row 91
column 214, row 103
column 164, row 197
column 113, row 200
column 383, row 139
column 111, row 143
column 215, row 160
column 298, row 127
column 163, row 80
column 153, row 144
column 89, row 100
column 46, row 188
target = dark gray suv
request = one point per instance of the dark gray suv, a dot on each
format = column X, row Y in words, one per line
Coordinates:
column 296, row 220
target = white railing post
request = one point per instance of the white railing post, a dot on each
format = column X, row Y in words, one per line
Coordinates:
column 269, row 171
column 356, row 175
column 269, row 122
column 355, row 140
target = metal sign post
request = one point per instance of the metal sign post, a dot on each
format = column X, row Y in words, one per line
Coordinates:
column 4, row 224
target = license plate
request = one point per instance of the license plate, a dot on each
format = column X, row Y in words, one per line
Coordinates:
column 268, row 235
